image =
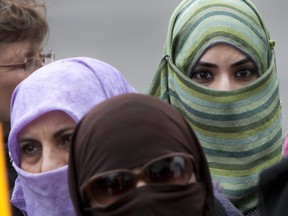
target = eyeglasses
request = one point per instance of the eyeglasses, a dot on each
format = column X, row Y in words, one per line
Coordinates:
column 104, row 188
column 31, row 64
column 48, row 57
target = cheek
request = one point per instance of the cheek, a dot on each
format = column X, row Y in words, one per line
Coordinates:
column 59, row 158
column 103, row 200
column 30, row 166
column 12, row 78
column 48, row 161
column 253, row 78
column 236, row 85
column 9, row 81
column 65, row 156
column 193, row 178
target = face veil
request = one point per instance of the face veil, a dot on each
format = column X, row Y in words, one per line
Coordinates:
column 240, row 130
column 125, row 133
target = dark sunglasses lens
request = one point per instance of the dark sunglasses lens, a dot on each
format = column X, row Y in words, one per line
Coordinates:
column 172, row 170
column 109, row 187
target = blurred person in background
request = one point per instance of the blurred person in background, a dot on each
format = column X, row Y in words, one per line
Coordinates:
column 23, row 30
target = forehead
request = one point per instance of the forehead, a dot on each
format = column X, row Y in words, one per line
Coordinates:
column 50, row 121
column 17, row 51
column 222, row 52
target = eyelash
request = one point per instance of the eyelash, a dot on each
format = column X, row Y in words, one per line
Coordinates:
column 197, row 72
column 36, row 148
column 66, row 137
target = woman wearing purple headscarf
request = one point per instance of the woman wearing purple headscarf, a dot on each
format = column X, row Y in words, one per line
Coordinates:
column 44, row 111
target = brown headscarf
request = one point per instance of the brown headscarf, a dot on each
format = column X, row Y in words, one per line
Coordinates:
column 126, row 132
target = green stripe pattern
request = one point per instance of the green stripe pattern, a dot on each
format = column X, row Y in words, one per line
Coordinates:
column 240, row 131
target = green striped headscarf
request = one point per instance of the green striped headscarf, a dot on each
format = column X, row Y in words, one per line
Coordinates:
column 240, row 130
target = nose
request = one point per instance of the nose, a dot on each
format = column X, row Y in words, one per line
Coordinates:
column 53, row 158
column 140, row 183
column 224, row 83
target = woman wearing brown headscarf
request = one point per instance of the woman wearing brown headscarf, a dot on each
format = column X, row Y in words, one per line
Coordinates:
column 134, row 140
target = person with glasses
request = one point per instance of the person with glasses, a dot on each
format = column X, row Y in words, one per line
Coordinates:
column 44, row 111
column 23, row 30
column 132, row 155
column 219, row 71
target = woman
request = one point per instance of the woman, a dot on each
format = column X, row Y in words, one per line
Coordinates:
column 119, row 137
column 44, row 112
column 219, row 71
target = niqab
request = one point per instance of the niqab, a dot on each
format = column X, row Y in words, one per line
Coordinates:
column 240, row 130
column 126, row 132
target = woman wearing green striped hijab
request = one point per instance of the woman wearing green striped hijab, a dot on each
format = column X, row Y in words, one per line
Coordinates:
column 219, row 71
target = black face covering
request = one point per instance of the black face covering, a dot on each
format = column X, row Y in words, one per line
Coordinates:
column 273, row 189
column 158, row 200
column 126, row 132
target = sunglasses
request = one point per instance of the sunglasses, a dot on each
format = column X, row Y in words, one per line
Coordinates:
column 105, row 188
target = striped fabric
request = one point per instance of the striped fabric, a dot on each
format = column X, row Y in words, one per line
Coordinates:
column 239, row 130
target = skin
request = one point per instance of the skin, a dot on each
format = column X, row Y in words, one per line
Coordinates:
column 224, row 68
column 44, row 143
column 13, row 53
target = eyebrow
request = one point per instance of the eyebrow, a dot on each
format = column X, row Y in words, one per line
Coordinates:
column 55, row 135
column 62, row 130
column 26, row 139
column 243, row 61
column 207, row 64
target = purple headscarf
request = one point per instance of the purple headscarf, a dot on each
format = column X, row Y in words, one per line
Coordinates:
column 74, row 86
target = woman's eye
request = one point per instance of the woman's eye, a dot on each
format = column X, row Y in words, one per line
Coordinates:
column 30, row 149
column 202, row 75
column 245, row 73
column 66, row 140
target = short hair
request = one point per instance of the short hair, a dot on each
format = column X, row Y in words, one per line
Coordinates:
column 23, row 20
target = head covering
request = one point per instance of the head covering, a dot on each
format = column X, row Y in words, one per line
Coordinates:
column 240, row 130
column 74, row 86
column 126, row 132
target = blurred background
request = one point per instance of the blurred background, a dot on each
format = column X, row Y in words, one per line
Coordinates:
column 130, row 35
